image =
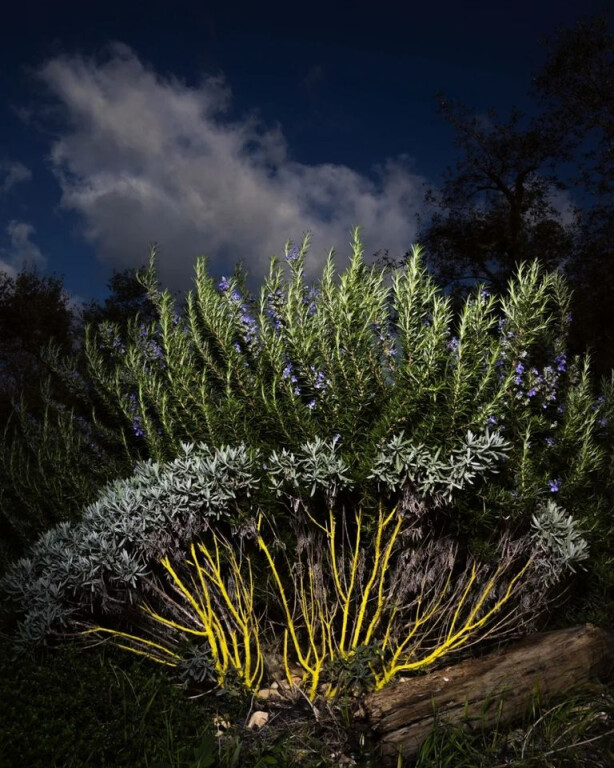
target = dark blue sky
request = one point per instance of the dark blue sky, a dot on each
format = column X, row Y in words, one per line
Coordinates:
column 227, row 132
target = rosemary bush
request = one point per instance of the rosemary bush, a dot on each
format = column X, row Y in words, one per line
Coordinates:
column 482, row 437
column 347, row 360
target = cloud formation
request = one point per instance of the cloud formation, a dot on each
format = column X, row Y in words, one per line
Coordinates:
column 11, row 173
column 146, row 158
column 22, row 253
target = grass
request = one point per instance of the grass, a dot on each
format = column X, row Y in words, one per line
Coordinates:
column 85, row 708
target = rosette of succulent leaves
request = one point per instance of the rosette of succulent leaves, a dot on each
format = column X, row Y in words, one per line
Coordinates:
column 248, row 530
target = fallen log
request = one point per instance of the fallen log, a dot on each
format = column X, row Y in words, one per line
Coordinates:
column 493, row 689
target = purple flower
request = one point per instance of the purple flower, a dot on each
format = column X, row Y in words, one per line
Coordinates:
column 561, row 362
column 293, row 253
column 492, row 419
column 320, row 382
column 452, row 345
column 157, row 350
column 549, row 441
column 311, row 404
column 137, row 427
column 519, row 368
column 554, row 485
column 531, row 392
column 223, row 285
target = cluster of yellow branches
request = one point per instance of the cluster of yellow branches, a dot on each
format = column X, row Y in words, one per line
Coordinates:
column 224, row 617
column 332, row 611
column 360, row 611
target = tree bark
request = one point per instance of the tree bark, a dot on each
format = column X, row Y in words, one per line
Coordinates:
column 494, row 689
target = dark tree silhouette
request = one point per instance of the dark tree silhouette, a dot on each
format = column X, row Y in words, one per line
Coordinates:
column 576, row 90
column 495, row 207
column 34, row 310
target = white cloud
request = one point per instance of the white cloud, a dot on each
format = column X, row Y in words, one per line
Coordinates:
column 22, row 252
column 12, row 173
column 148, row 158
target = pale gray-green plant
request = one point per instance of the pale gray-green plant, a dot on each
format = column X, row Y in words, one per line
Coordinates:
column 558, row 533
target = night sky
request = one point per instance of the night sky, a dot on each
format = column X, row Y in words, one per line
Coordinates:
column 227, row 129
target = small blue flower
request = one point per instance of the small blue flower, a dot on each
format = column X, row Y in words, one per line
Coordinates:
column 549, row 441
column 492, row 419
column 561, row 362
column 137, row 428
column 223, row 285
column 452, row 345
column 320, row 382
column 311, row 404
column 531, row 392
column 293, row 253
column 287, row 371
column 554, row 485
column 519, row 368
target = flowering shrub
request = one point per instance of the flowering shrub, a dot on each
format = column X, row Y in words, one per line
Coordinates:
column 464, row 426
